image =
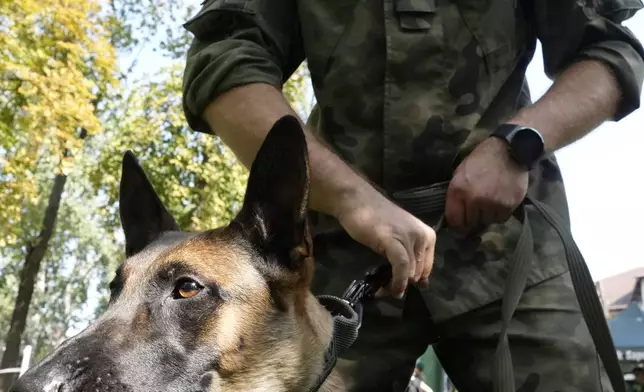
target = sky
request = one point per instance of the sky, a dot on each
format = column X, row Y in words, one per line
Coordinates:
column 603, row 175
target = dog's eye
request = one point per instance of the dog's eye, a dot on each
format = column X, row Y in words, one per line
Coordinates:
column 186, row 288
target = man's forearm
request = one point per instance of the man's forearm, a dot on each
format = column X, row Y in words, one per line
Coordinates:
column 243, row 116
column 582, row 97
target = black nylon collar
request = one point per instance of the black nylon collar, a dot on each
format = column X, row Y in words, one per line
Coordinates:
column 346, row 323
column 347, row 316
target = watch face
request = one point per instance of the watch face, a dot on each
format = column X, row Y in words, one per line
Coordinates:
column 527, row 146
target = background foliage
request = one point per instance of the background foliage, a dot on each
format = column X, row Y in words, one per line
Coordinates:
column 89, row 67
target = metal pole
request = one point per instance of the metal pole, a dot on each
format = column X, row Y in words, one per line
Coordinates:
column 26, row 358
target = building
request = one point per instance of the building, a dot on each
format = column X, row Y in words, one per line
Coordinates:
column 621, row 297
column 617, row 291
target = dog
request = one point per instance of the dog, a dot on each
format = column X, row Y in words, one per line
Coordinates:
column 228, row 309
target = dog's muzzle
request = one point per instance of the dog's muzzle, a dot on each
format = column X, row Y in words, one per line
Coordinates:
column 77, row 365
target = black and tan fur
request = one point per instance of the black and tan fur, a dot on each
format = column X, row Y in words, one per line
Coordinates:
column 253, row 326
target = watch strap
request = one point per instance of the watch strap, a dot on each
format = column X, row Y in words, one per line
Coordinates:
column 506, row 131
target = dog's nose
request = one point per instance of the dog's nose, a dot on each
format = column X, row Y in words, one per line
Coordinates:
column 36, row 384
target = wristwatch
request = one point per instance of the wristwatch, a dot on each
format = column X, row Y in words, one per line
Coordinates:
column 524, row 144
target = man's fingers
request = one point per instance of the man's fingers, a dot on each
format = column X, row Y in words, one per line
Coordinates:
column 424, row 253
column 383, row 292
column 428, row 262
column 398, row 256
column 472, row 215
column 454, row 211
column 503, row 214
column 420, row 249
column 489, row 216
column 497, row 214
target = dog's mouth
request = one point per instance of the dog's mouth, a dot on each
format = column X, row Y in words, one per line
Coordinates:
column 70, row 379
column 85, row 385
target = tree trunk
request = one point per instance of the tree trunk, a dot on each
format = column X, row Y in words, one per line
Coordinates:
column 35, row 253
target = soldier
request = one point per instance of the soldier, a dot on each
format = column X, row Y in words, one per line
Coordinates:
column 638, row 383
column 417, row 382
column 412, row 93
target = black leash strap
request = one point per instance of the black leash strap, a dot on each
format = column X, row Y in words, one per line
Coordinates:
column 431, row 200
column 347, row 317
column 587, row 296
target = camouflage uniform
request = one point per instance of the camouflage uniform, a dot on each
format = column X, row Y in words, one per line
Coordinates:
column 405, row 89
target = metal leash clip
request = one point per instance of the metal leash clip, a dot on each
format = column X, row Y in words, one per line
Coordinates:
column 353, row 296
column 361, row 290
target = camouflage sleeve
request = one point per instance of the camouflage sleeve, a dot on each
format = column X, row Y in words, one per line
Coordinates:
column 238, row 42
column 572, row 30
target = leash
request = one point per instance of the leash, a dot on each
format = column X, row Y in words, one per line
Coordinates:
column 431, row 200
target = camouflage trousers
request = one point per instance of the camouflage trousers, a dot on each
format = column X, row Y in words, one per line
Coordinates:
column 551, row 347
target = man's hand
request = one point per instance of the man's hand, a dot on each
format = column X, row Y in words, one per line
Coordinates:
column 486, row 188
column 405, row 241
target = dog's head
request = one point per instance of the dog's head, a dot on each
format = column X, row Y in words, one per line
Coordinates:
column 227, row 309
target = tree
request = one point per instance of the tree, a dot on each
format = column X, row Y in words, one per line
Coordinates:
column 198, row 178
column 55, row 65
column 195, row 174
column 56, row 60
column 35, row 253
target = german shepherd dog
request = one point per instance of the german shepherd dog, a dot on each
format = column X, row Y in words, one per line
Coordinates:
column 228, row 309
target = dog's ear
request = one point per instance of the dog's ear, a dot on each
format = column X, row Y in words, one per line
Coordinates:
column 274, row 211
column 143, row 215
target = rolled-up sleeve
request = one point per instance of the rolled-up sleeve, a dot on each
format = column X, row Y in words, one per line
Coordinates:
column 238, row 42
column 574, row 30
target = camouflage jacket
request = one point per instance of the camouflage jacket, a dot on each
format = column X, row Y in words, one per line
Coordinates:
column 405, row 88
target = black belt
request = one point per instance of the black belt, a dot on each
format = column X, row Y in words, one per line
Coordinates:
column 347, row 311
column 431, row 200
